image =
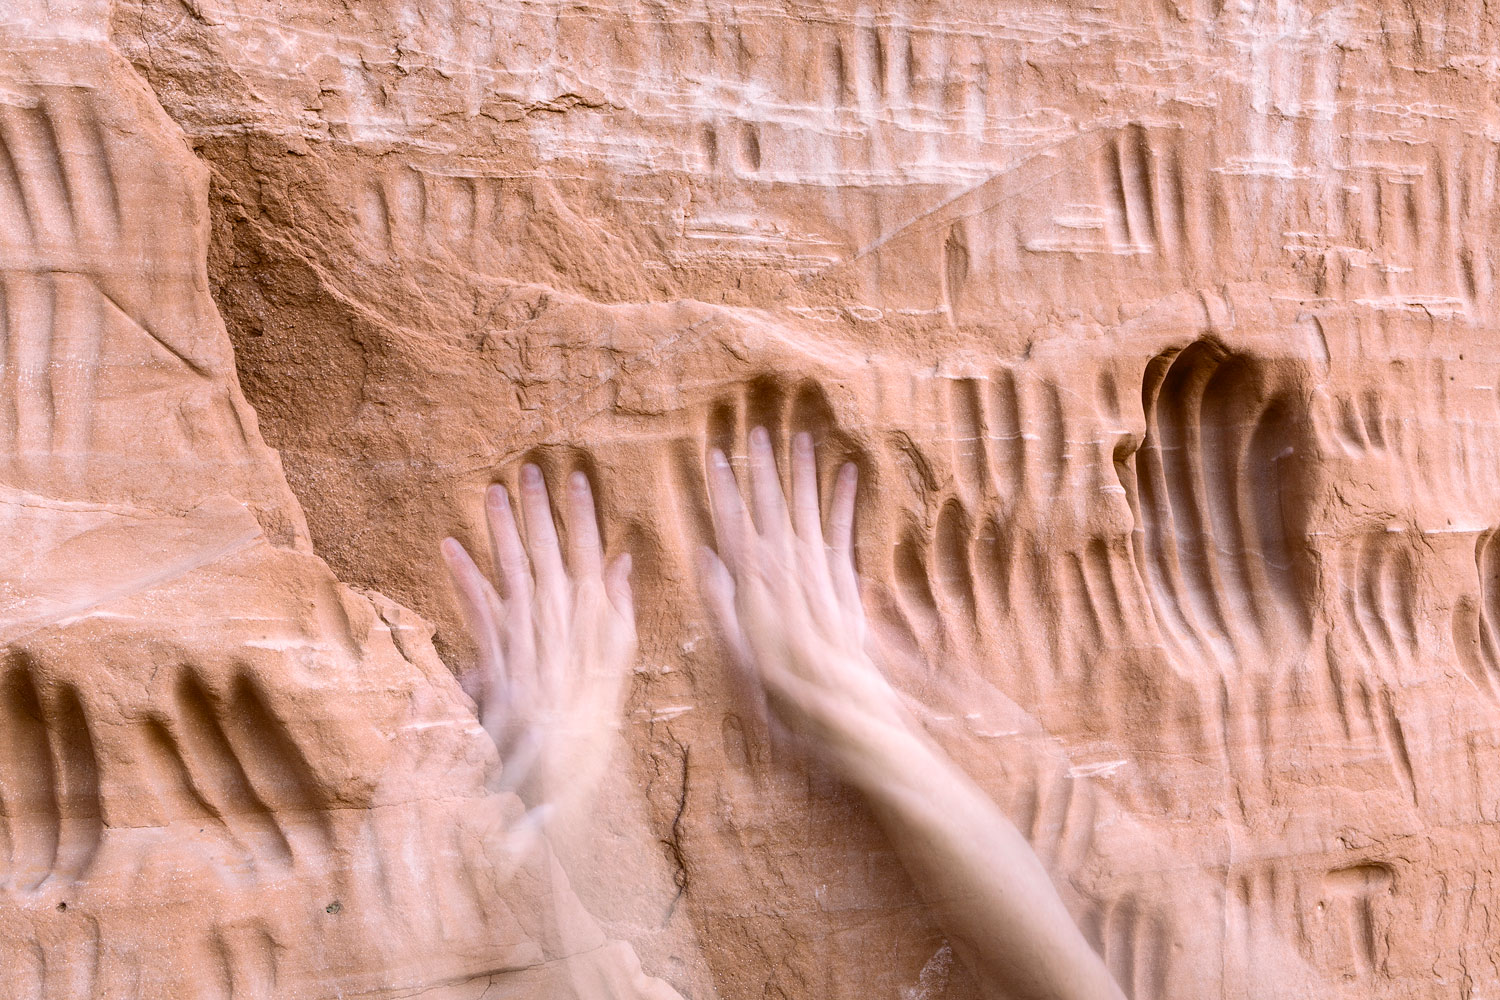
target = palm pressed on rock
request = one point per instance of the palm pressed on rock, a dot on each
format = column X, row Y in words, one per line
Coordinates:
column 787, row 601
column 555, row 642
column 787, row 604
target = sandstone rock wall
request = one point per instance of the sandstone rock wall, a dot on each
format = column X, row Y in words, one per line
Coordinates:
column 1162, row 334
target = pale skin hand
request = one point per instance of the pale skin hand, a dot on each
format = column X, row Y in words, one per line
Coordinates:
column 555, row 643
column 787, row 603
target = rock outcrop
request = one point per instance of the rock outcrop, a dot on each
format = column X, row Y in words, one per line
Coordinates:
column 1163, row 336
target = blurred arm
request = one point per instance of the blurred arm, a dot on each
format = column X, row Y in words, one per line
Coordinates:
column 787, row 603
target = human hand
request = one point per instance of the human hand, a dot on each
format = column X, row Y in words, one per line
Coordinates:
column 787, row 604
column 554, row 647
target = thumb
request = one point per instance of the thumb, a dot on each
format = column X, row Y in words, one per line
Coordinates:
column 617, row 587
column 718, row 589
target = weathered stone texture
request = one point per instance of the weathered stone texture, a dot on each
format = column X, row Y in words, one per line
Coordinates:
column 1163, row 334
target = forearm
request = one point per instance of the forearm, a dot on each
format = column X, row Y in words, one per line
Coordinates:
column 990, row 892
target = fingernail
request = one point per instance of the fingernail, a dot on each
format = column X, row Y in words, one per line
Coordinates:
column 717, row 457
column 803, row 441
column 531, row 475
column 578, row 481
column 450, row 547
column 496, row 496
column 626, row 564
column 760, row 437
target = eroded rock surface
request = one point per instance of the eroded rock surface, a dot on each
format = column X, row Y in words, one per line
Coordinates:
column 222, row 772
column 1162, row 334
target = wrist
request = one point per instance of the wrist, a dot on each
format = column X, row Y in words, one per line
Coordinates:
column 885, row 761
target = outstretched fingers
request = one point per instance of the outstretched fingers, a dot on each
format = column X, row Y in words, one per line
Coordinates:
column 477, row 597
column 841, row 535
column 765, row 489
column 510, row 554
column 732, row 528
column 482, row 610
column 585, row 553
column 806, row 517
column 541, row 534
column 586, row 550
column 514, row 568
